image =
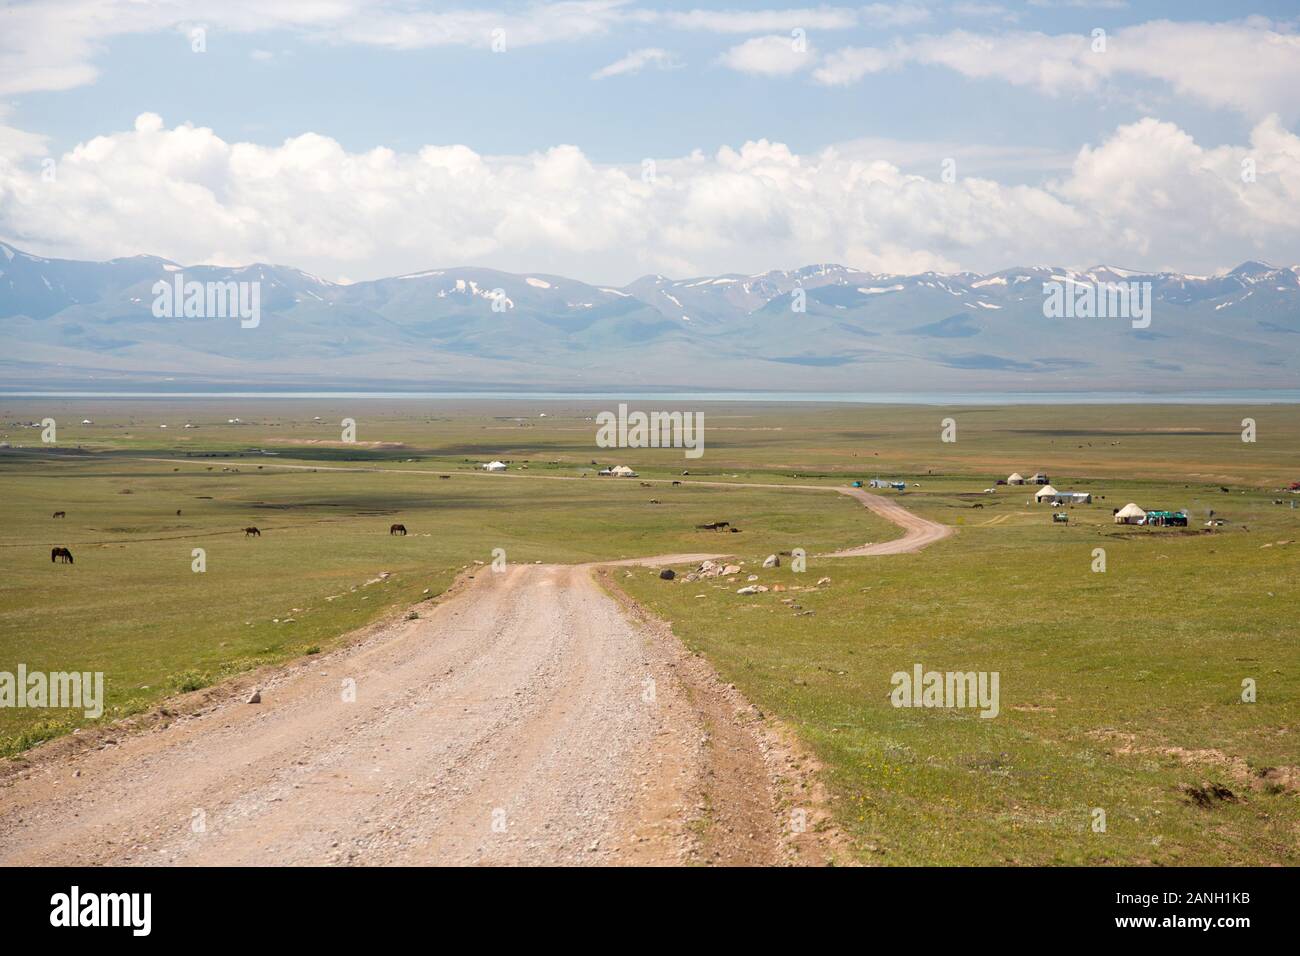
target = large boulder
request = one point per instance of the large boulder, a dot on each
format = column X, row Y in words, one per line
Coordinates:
column 667, row 574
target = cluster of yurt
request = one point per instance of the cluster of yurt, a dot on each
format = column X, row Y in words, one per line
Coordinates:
column 1037, row 478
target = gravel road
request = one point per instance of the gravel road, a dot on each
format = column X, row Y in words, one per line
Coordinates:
column 526, row 718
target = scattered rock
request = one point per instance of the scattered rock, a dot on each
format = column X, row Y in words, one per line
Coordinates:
column 771, row 561
column 255, row 697
column 667, row 574
column 821, row 581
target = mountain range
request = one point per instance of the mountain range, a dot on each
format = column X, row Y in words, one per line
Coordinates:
column 75, row 324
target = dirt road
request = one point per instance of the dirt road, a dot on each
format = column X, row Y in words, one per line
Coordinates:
column 525, row 719
column 918, row 532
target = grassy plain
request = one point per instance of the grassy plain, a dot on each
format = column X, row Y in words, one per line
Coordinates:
column 1120, row 691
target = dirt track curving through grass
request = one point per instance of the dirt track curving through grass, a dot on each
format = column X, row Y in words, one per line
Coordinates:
column 918, row 532
column 526, row 718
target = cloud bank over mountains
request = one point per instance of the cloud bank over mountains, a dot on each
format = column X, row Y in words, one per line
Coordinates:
column 1148, row 196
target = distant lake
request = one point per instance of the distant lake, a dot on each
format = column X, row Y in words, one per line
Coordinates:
column 1288, row 396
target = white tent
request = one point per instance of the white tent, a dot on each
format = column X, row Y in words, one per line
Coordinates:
column 1129, row 514
column 622, row 471
column 495, row 466
column 1016, row 478
column 1047, row 492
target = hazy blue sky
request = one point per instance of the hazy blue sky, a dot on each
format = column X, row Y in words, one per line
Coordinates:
column 357, row 137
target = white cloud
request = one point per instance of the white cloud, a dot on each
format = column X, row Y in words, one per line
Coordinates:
column 1149, row 196
column 770, row 56
column 638, row 60
column 851, row 64
column 977, row 8
column 1251, row 66
column 52, row 44
column 17, row 144
column 895, row 14
column 755, row 21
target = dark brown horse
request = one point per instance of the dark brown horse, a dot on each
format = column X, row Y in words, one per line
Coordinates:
column 397, row 529
column 63, row 555
column 60, row 514
column 252, row 533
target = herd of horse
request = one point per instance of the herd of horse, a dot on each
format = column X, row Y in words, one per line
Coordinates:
column 64, row 556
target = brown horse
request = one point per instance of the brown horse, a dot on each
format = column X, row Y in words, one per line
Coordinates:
column 63, row 555
column 397, row 529
column 252, row 533
column 60, row 514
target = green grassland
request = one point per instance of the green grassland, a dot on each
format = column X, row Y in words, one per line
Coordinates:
column 1119, row 690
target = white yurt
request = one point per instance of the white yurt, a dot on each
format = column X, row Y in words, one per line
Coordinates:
column 1015, row 478
column 1045, row 493
column 1130, row 514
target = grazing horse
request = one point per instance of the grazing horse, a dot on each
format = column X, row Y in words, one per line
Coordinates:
column 252, row 533
column 63, row 555
column 977, row 506
column 397, row 529
column 60, row 514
